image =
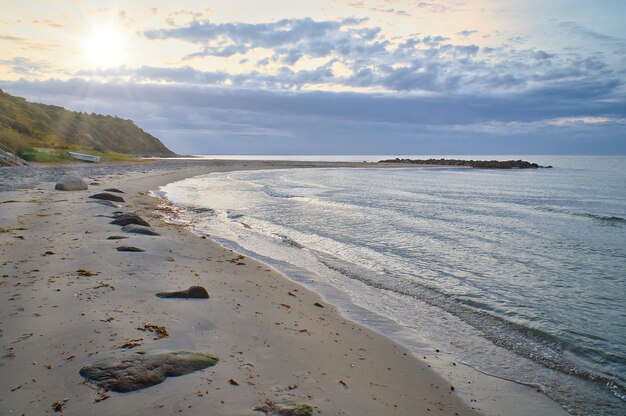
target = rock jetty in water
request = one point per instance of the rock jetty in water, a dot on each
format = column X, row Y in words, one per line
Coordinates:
column 480, row 164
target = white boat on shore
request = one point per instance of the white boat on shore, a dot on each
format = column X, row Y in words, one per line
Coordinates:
column 85, row 157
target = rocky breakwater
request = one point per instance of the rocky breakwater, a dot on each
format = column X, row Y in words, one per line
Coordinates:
column 479, row 164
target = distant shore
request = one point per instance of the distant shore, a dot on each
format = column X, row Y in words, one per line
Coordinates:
column 276, row 340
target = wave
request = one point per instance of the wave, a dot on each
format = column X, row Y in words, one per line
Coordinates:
column 276, row 193
column 289, row 241
column 532, row 343
column 610, row 219
column 232, row 215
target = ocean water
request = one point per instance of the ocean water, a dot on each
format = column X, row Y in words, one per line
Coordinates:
column 518, row 273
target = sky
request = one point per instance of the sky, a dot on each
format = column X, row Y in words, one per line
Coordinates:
column 332, row 76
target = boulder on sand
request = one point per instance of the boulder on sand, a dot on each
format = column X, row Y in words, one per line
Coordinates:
column 130, row 249
column 271, row 408
column 71, row 183
column 114, row 190
column 194, row 292
column 129, row 218
column 105, row 196
column 105, row 203
column 140, row 371
column 138, row 229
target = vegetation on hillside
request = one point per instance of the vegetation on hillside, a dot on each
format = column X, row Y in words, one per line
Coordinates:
column 45, row 133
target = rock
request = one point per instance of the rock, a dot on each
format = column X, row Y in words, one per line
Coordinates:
column 105, row 196
column 116, row 237
column 106, row 203
column 130, row 218
column 481, row 164
column 57, row 406
column 273, row 409
column 194, row 292
column 138, row 229
column 140, row 371
column 131, row 249
column 71, row 183
column 114, row 190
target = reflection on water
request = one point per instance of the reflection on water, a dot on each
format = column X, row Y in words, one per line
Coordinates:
column 529, row 263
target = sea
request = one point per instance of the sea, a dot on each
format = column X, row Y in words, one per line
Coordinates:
column 520, row 274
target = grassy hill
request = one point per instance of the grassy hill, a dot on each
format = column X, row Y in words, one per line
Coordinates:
column 45, row 132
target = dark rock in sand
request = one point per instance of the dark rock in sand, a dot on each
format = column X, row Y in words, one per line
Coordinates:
column 71, row 183
column 130, row 218
column 116, row 237
column 138, row 229
column 130, row 249
column 194, row 292
column 107, row 197
column 105, row 203
column 274, row 409
column 140, row 371
column 114, row 190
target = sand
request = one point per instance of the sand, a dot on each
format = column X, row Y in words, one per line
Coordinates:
column 273, row 341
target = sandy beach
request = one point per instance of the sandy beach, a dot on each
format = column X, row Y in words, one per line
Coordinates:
column 69, row 299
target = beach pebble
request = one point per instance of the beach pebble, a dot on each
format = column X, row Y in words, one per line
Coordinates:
column 137, row 372
column 274, row 409
column 71, row 183
column 105, row 196
column 106, row 203
column 194, row 292
column 138, row 229
column 129, row 218
column 130, row 249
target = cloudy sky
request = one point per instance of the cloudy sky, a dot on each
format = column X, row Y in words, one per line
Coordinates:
column 332, row 76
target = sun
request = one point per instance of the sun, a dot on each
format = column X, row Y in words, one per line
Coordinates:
column 105, row 46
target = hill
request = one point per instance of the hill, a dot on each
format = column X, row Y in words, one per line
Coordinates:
column 25, row 126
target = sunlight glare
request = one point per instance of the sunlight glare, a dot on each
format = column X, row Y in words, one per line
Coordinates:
column 104, row 47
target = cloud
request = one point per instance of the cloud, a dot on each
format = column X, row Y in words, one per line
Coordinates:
column 11, row 38
column 197, row 119
column 23, row 65
column 439, row 6
column 397, row 12
column 370, row 60
column 49, row 22
column 310, row 37
column 590, row 34
column 440, row 68
column 403, row 109
column 466, row 33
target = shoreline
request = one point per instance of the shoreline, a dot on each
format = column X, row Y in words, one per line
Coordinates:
column 367, row 389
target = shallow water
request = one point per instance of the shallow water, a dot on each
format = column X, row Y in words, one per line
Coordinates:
column 520, row 272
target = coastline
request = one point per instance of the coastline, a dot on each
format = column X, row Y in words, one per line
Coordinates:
column 266, row 347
